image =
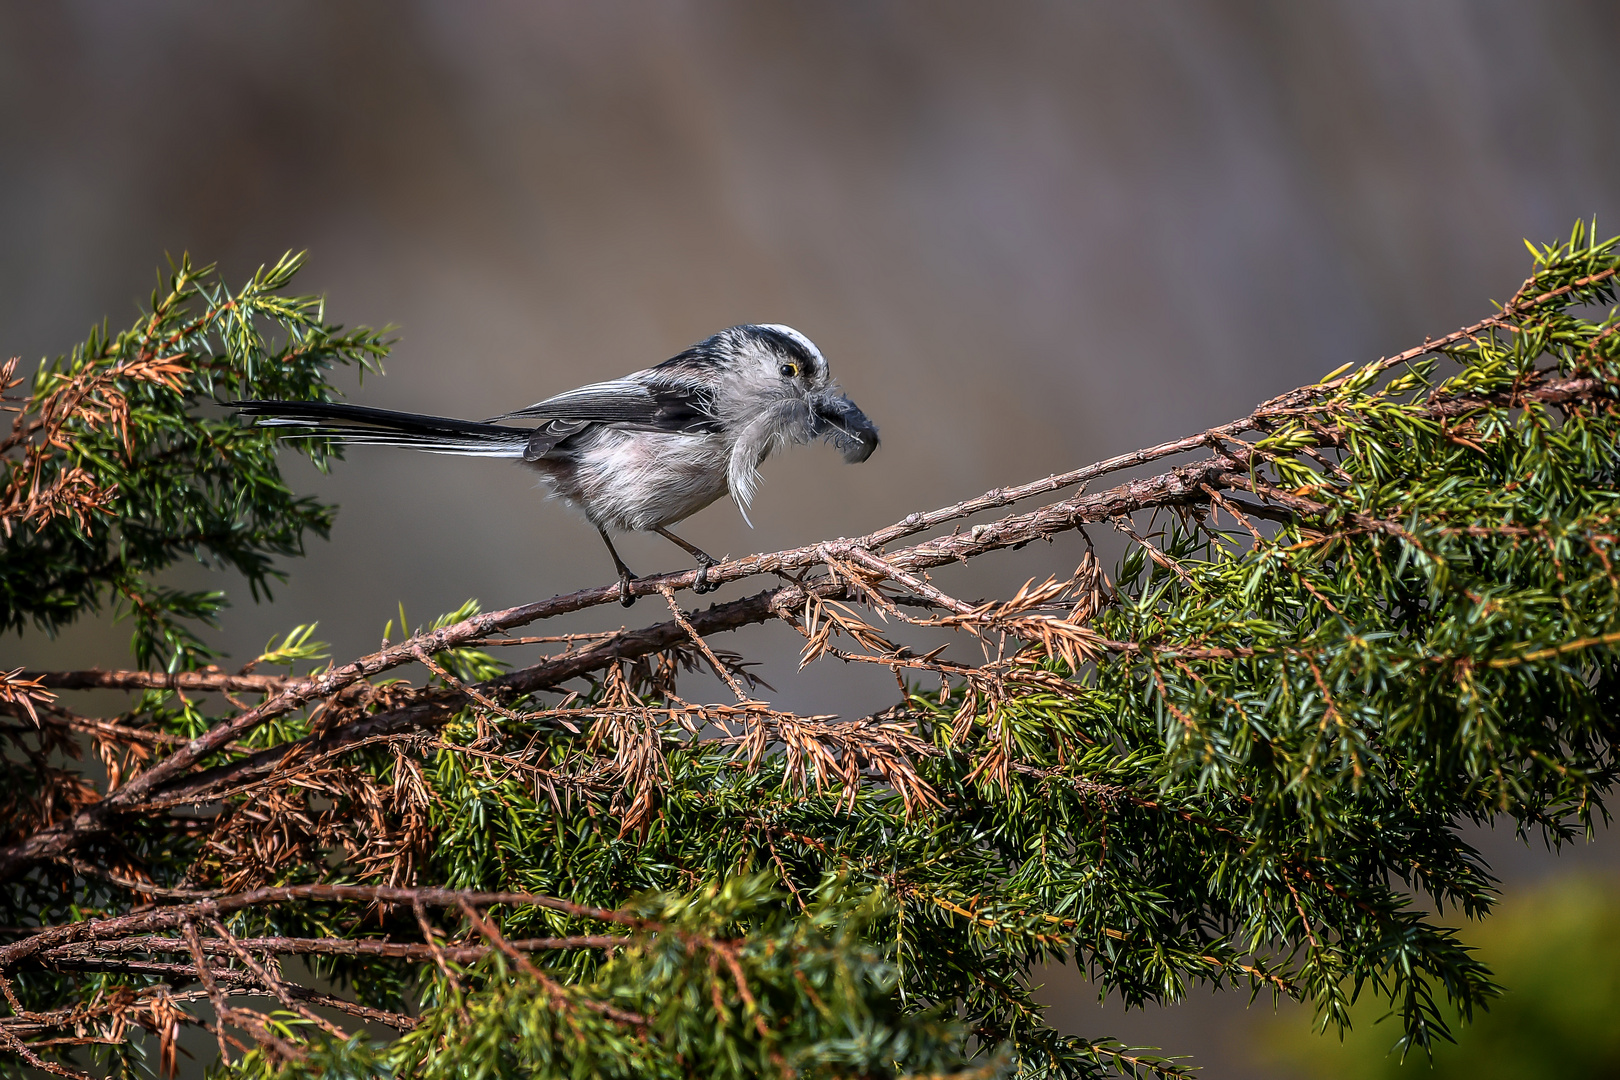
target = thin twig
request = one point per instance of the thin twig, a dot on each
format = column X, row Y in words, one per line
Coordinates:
column 471, row 691
column 273, row 984
column 168, row 918
column 148, row 888
column 1226, row 504
column 703, row 646
column 544, row 639
column 206, row 975
column 559, row 997
column 882, row 566
column 196, row 681
column 439, row 958
column 1123, row 525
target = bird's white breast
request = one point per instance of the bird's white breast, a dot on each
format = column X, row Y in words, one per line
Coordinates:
column 635, row 481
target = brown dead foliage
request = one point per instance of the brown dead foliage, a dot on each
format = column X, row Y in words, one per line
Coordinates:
column 34, row 491
column 24, row 692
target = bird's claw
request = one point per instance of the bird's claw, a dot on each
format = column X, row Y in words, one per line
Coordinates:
column 626, row 597
column 701, row 585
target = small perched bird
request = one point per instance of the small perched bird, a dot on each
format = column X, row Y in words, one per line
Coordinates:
column 640, row 453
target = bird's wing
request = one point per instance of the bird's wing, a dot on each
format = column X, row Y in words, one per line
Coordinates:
column 603, row 402
column 646, row 401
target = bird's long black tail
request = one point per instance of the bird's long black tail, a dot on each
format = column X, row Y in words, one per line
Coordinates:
column 354, row 424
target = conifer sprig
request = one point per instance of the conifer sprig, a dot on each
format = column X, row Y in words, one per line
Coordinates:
column 111, row 473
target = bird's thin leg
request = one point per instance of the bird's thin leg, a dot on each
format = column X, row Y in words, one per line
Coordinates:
column 704, row 560
column 625, row 576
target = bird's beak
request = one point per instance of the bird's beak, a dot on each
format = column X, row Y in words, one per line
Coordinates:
column 838, row 421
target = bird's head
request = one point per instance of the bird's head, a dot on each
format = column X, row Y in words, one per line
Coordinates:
column 784, row 374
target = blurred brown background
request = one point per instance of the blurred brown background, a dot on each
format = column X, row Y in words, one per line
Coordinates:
column 1026, row 235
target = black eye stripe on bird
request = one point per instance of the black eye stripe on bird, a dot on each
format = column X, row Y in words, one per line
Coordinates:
column 643, row 452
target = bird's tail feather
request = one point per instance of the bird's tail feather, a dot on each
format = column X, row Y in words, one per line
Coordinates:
column 356, row 424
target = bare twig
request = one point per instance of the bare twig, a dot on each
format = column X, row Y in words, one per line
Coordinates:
column 169, row 918
column 888, row 570
column 1227, row 504
column 559, row 997
column 206, row 975
column 544, row 639
column 283, row 946
column 197, row 681
column 273, row 984
column 440, row 959
column 703, row 646
column 471, row 691
column 136, row 885
column 1123, row 525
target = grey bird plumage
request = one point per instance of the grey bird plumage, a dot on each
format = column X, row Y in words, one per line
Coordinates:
column 640, row 453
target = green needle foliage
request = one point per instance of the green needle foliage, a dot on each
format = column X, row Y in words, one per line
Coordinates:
column 1556, row 949
column 732, row 985
column 1245, row 758
column 111, row 474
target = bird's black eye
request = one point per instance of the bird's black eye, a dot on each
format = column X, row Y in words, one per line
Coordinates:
column 789, row 370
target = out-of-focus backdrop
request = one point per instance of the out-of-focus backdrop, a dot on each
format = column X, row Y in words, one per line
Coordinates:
column 1026, row 235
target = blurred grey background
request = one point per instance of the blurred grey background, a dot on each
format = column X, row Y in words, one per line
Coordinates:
column 1026, row 235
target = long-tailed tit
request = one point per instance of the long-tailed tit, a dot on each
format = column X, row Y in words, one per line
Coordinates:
column 640, row 453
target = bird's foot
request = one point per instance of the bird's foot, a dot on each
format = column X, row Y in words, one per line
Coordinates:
column 626, row 597
column 701, row 585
